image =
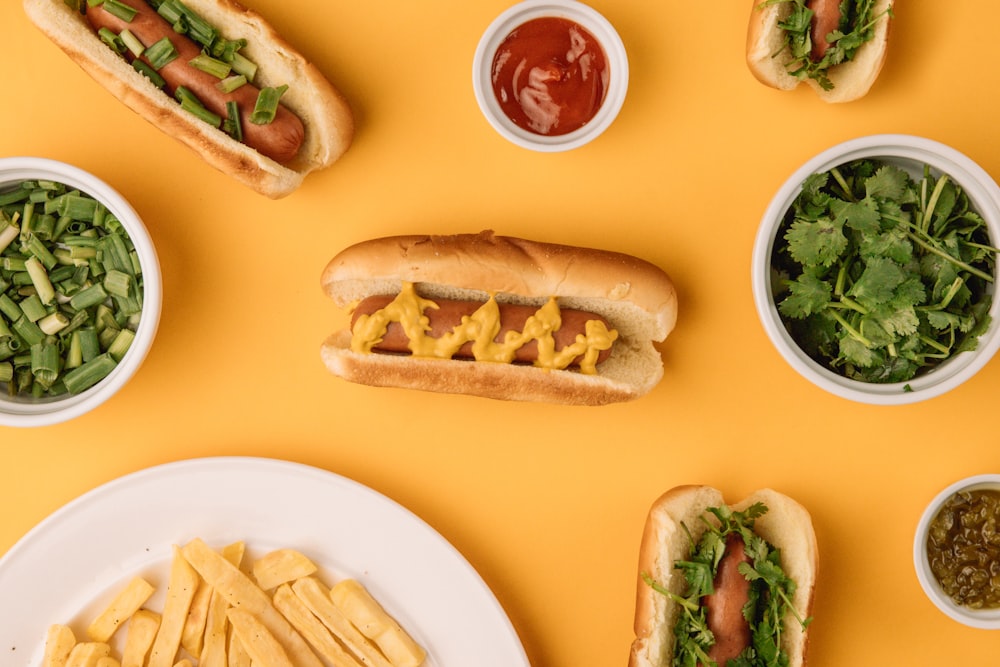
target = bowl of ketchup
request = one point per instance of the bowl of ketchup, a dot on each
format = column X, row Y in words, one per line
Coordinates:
column 550, row 75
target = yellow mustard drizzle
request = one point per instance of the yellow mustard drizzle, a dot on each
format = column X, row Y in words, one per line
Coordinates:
column 481, row 329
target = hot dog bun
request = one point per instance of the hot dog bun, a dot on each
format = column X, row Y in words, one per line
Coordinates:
column 325, row 114
column 636, row 297
column 768, row 56
column 786, row 525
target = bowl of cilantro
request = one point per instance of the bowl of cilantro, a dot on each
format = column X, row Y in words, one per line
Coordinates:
column 874, row 269
column 80, row 291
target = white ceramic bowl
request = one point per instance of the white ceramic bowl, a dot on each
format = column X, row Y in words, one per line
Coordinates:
column 910, row 153
column 584, row 16
column 28, row 411
column 976, row 618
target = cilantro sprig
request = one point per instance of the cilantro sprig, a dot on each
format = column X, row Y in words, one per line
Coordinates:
column 857, row 26
column 771, row 591
column 879, row 276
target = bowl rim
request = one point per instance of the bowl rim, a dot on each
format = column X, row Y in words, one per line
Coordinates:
column 988, row 619
column 595, row 23
column 28, row 413
column 985, row 196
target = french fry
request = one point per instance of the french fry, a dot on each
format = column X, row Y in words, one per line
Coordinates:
column 317, row 598
column 264, row 649
column 281, row 566
column 214, row 653
column 107, row 661
column 142, row 628
column 86, row 654
column 184, row 663
column 180, row 591
column 310, row 627
column 127, row 602
column 245, row 595
column 368, row 616
column 236, row 655
column 193, row 635
column 59, row 641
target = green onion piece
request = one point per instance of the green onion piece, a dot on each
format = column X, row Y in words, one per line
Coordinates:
column 233, row 125
column 13, row 264
column 29, row 332
column 226, row 49
column 8, row 232
column 169, row 12
column 40, row 279
column 231, row 83
column 6, row 371
column 53, row 323
column 160, row 53
column 117, row 282
column 109, row 37
column 89, row 296
column 132, row 42
column 9, row 307
column 192, row 104
column 38, row 249
column 142, row 68
column 15, row 196
column 9, row 347
column 74, row 354
column 266, row 107
column 77, row 207
column 243, row 65
column 198, row 28
column 120, row 345
column 90, row 373
column 90, row 346
column 92, row 3
column 119, row 10
column 210, row 65
column 32, row 308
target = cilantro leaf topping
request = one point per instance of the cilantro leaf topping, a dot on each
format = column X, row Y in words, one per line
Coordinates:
column 771, row 591
column 857, row 26
column 880, row 276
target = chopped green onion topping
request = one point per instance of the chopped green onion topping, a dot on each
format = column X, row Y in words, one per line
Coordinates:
column 266, row 107
column 120, row 10
column 189, row 102
column 233, row 126
column 210, row 65
column 231, row 83
column 132, row 42
column 160, row 53
column 109, row 37
column 243, row 65
column 148, row 72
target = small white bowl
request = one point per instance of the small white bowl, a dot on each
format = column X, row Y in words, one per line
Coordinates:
column 590, row 20
column 910, row 153
column 28, row 411
column 977, row 618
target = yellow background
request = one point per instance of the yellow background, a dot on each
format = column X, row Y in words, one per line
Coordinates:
column 546, row 502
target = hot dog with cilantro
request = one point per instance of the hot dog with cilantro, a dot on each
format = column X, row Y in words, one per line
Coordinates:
column 837, row 47
column 724, row 585
column 212, row 74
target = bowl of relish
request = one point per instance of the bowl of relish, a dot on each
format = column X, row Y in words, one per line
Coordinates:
column 956, row 551
column 550, row 75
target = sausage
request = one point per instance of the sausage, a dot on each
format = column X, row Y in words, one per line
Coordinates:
column 449, row 314
column 724, row 607
column 279, row 140
column 826, row 19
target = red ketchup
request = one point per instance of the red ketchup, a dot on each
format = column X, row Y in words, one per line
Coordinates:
column 550, row 76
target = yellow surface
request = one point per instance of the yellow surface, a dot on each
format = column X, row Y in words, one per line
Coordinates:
column 547, row 503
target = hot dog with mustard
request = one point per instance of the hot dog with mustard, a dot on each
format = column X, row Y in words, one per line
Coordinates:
column 499, row 317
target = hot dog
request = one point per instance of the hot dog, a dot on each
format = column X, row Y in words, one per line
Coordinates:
column 499, row 317
column 837, row 47
column 719, row 582
column 312, row 124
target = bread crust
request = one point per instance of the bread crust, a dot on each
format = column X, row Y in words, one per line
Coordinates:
column 635, row 296
column 787, row 525
column 767, row 55
column 325, row 113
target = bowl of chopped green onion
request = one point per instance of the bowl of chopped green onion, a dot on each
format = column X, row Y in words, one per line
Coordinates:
column 874, row 269
column 80, row 291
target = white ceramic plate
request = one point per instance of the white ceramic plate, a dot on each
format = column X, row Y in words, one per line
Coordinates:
column 70, row 565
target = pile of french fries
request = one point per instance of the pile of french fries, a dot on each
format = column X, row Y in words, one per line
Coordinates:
column 277, row 613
